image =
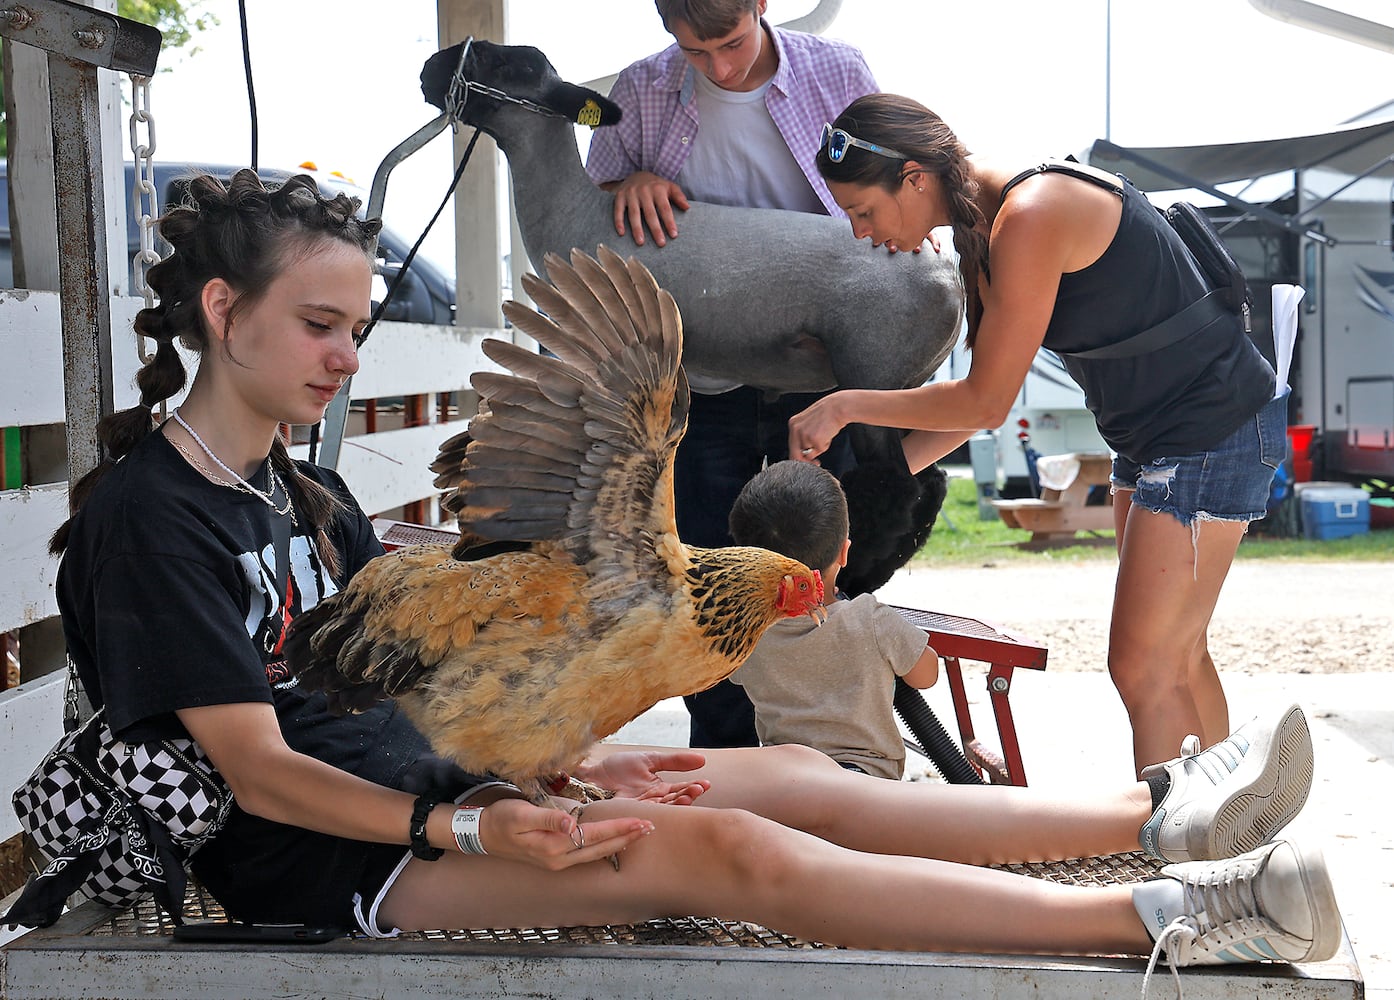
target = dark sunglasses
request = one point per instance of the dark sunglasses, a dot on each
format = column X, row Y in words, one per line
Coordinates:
column 836, row 141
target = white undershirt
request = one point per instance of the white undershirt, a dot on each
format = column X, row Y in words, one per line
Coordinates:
column 739, row 157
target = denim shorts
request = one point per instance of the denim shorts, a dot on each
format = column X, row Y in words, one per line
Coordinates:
column 1229, row 482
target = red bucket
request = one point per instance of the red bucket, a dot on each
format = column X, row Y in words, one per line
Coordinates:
column 1300, row 438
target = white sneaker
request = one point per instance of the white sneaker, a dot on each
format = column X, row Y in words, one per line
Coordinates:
column 1275, row 904
column 1234, row 796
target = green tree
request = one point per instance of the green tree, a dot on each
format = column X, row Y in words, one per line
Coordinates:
column 178, row 21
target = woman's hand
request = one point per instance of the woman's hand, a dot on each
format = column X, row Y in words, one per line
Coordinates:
column 633, row 774
column 811, row 431
column 551, row 839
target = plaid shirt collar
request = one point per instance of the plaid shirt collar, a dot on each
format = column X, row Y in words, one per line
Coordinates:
column 680, row 76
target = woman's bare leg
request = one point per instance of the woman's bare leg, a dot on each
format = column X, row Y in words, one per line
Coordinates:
column 1168, row 583
column 727, row 862
column 973, row 824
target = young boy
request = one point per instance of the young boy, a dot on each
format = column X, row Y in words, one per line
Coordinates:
column 829, row 687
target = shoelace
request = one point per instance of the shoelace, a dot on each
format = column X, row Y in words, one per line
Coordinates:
column 1214, row 899
column 1174, row 936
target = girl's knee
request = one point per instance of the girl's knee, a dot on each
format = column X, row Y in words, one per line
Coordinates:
column 752, row 851
column 793, row 758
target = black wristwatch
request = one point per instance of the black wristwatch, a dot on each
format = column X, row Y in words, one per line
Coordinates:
column 420, row 846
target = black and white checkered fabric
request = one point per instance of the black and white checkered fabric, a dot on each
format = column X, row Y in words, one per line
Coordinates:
column 73, row 805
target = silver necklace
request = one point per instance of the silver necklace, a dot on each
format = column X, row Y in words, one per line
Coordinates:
column 238, row 482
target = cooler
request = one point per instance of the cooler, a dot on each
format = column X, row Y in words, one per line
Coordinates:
column 1335, row 512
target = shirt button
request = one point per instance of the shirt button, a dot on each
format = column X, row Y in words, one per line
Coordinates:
column 686, row 139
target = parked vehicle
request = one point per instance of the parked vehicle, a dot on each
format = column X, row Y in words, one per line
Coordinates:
column 427, row 295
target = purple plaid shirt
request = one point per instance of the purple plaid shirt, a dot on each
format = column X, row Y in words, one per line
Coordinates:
column 817, row 78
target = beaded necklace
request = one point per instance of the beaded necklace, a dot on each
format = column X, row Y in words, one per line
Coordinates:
column 238, row 482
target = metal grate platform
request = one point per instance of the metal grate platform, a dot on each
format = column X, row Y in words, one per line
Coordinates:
column 93, row 952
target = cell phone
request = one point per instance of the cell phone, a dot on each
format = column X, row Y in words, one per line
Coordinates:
column 219, row 931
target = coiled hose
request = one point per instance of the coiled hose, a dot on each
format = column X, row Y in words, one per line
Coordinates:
column 935, row 743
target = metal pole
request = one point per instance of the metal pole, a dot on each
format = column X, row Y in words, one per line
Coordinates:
column 1108, row 69
column 84, row 305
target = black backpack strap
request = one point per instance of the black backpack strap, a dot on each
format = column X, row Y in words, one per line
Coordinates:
column 1195, row 317
column 1100, row 178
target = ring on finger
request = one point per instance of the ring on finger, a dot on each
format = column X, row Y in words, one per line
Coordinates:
column 578, row 836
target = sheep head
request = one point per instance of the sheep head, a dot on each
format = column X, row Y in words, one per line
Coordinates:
column 520, row 72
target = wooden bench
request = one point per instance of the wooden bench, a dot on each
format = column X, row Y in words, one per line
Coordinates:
column 1060, row 513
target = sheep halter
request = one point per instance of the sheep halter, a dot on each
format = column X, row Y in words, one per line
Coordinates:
column 461, row 87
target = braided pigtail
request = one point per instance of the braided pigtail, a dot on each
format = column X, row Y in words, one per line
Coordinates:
column 246, row 234
column 969, row 239
column 316, row 504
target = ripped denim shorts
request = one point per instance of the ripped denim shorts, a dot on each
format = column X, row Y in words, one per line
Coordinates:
column 1229, row 482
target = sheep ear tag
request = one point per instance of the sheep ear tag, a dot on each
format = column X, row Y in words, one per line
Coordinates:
column 589, row 114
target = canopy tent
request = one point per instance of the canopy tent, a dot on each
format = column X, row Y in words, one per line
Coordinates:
column 1358, row 149
column 1164, row 168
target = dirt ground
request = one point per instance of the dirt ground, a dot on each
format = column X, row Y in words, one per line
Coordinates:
column 1286, row 617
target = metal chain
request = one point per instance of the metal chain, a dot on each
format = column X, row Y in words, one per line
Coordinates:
column 144, row 197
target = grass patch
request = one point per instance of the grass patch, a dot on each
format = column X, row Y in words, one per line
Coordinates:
column 960, row 538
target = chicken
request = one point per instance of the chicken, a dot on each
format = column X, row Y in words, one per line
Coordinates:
column 570, row 606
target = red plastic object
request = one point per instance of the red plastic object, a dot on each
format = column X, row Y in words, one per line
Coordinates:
column 957, row 638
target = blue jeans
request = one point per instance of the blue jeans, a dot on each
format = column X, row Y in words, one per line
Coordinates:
column 1228, row 482
column 730, row 436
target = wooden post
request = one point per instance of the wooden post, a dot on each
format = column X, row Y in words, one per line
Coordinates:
column 479, row 245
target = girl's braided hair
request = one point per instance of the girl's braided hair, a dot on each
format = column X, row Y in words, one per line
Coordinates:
column 247, row 234
column 910, row 128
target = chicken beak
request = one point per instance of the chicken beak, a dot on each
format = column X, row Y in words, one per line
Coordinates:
column 818, row 613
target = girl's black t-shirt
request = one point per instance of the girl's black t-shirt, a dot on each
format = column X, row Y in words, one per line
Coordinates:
column 168, row 597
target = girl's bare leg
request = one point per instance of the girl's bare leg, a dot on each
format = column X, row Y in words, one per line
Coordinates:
column 973, row 824
column 1167, row 587
column 730, row 863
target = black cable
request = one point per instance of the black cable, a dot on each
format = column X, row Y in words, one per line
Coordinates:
column 933, row 740
column 411, row 255
column 247, row 68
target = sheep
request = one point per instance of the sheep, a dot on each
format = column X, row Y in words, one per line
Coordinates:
column 783, row 301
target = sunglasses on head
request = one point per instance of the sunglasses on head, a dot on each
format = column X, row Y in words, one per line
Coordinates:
column 836, row 141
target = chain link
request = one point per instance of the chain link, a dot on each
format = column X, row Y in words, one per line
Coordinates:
column 144, row 196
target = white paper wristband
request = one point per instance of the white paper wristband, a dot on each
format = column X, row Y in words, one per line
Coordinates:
column 464, row 824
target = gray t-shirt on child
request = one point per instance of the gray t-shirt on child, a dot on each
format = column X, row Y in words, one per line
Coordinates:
column 832, row 687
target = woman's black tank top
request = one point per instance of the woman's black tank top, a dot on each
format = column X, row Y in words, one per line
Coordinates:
column 1181, row 398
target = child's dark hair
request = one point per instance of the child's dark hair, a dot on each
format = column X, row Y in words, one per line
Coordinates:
column 795, row 509
column 247, row 234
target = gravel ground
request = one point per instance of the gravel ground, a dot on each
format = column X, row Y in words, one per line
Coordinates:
column 1283, row 617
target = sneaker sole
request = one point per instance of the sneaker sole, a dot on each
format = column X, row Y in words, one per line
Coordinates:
column 1252, row 817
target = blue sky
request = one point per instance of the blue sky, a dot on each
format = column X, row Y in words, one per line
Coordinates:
column 337, row 81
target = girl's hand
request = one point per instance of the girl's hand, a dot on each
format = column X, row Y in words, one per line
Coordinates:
column 634, row 775
column 551, row 839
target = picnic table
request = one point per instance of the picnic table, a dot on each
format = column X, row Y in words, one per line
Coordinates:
column 1063, row 507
